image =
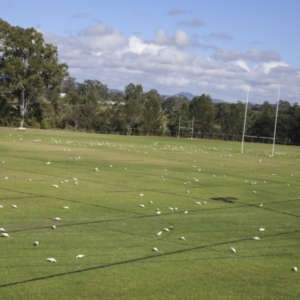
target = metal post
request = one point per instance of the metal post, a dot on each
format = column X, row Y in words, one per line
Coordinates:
column 275, row 123
column 179, row 126
column 192, row 129
column 245, row 122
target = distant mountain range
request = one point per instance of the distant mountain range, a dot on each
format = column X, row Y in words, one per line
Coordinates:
column 183, row 94
column 191, row 97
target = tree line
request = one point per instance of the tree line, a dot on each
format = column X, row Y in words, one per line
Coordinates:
column 36, row 91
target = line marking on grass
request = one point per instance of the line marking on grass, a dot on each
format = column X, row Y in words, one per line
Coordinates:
column 131, row 261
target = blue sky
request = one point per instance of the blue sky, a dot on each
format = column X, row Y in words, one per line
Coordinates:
column 216, row 47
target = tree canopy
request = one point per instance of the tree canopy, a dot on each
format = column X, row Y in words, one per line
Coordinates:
column 36, row 88
column 28, row 66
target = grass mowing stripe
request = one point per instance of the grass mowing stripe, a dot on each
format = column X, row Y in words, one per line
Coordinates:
column 130, row 261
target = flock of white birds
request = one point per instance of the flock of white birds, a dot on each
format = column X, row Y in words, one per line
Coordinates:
column 162, row 231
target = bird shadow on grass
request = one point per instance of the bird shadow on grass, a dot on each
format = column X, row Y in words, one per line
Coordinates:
column 225, row 199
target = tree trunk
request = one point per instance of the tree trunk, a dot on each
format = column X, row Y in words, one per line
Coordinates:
column 23, row 105
column 22, row 122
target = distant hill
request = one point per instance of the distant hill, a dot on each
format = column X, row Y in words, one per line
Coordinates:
column 115, row 91
column 218, row 101
column 185, row 94
column 188, row 95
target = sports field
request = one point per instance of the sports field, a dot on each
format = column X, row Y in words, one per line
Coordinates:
column 155, row 218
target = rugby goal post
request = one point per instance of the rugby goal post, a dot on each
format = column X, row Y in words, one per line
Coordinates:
column 244, row 127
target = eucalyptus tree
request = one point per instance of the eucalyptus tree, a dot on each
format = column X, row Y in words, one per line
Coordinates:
column 152, row 116
column 94, row 95
column 7, row 108
column 28, row 65
column 175, row 108
column 173, row 103
column 285, row 121
column 134, row 106
column 263, row 125
column 294, row 131
column 203, row 111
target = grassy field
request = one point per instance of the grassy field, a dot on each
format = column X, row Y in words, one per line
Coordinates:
column 205, row 191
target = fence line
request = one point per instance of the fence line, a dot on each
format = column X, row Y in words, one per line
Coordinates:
column 196, row 135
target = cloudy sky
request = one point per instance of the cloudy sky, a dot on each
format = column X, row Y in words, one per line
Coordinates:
column 216, row 47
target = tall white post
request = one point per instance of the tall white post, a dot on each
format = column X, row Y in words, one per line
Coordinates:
column 275, row 123
column 192, row 129
column 245, row 121
column 179, row 126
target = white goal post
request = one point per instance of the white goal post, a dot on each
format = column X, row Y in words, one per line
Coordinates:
column 244, row 127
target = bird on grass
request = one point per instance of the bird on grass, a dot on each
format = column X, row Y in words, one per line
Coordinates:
column 182, row 238
column 295, row 269
column 51, row 259
column 159, row 233
column 256, row 238
column 261, row 229
column 142, row 205
column 36, row 243
column 155, row 249
column 80, row 256
column 4, row 234
column 57, row 219
column 53, row 227
column 55, row 186
column 14, row 206
column 65, row 207
column 2, row 229
column 233, row 249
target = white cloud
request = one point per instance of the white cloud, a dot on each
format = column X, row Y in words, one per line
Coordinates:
column 195, row 22
column 80, row 15
column 98, row 29
column 162, row 38
column 172, row 80
column 258, row 55
column 228, row 55
column 267, row 67
column 175, row 11
column 138, row 46
column 252, row 54
column 220, row 36
column 181, row 38
column 171, row 64
column 242, row 64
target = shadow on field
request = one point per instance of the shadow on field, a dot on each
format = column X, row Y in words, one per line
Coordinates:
column 224, row 199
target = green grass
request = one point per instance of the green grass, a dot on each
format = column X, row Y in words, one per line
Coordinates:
column 106, row 223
